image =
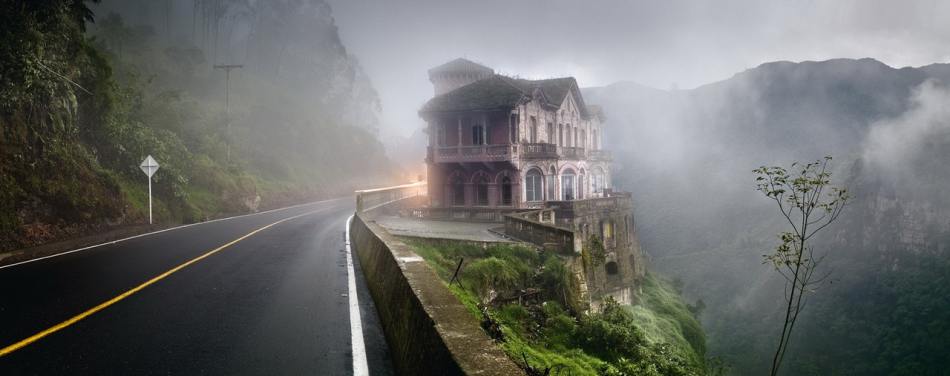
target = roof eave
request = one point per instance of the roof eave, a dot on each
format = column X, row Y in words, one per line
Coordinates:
column 423, row 113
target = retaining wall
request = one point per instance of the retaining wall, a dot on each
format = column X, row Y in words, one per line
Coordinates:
column 428, row 330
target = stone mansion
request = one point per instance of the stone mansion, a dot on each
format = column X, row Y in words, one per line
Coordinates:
column 528, row 153
column 497, row 141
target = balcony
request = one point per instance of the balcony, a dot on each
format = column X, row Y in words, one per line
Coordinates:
column 473, row 153
column 572, row 153
column 510, row 152
column 539, row 151
column 600, row 155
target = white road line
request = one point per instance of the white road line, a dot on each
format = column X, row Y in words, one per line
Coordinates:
column 161, row 231
column 360, row 367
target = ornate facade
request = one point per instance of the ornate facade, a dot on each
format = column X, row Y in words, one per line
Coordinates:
column 502, row 142
column 529, row 153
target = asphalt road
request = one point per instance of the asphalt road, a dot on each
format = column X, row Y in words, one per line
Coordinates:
column 273, row 303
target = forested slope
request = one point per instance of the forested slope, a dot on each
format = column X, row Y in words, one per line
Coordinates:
column 687, row 156
column 85, row 95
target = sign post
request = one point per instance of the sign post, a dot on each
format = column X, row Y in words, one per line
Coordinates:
column 149, row 166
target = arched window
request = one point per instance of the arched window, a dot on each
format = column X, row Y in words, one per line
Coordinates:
column 457, row 191
column 550, row 133
column 580, row 185
column 607, row 229
column 481, row 191
column 533, row 186
column 567, row 185
column 597, row 180
column 506, row 191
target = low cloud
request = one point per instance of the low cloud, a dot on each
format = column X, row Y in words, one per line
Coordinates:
column 895, row 145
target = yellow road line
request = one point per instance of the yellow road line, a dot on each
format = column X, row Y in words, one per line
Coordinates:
column 74, row 319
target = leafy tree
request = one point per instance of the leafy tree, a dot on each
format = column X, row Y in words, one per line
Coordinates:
column 809, row 204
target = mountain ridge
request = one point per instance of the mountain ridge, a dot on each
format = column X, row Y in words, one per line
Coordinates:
column 687, row 156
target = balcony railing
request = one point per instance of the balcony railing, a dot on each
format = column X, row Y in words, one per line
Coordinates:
column 572, row 153
column 474, row 153
column 506, row 152
column 600, row 155
column 539, row 151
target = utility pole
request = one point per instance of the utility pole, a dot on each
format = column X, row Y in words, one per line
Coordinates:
column 227, row 99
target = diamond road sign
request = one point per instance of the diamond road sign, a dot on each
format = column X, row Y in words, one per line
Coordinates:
column 149, row 166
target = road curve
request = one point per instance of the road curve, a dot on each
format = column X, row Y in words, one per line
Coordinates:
column 274, row 302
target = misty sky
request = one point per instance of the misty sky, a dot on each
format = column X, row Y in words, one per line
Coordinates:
column 657, row 43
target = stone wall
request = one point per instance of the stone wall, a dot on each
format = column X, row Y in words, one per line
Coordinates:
column 428, row 330
column 529, row 227
column 568, row 227
column 371, row 199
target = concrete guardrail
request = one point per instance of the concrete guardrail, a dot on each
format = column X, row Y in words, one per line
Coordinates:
column 429, row 332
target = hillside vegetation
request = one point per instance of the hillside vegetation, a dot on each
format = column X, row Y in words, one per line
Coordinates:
column 658, row 336
column 85, row 96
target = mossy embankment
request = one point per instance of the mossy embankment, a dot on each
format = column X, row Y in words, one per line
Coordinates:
column 519, row 295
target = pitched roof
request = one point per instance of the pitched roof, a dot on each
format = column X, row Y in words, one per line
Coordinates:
column 499, row 92
column 555, row 89
column 461, row 65
column 495, row 92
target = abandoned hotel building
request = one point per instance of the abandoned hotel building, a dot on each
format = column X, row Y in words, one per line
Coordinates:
column 529, row 153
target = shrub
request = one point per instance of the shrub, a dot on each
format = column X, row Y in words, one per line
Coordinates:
column 610, row 334
column 559, row 327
